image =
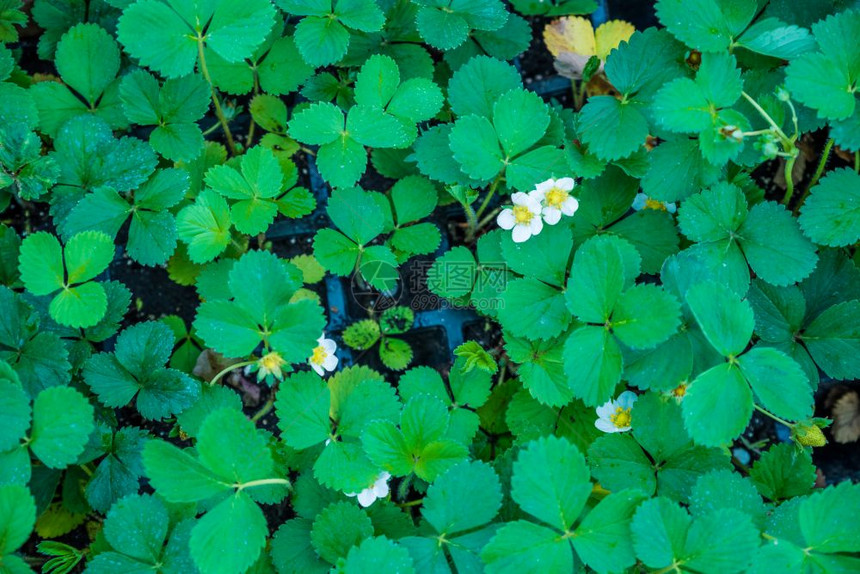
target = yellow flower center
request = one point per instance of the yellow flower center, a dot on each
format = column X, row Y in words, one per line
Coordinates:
column 654, row 204
column 680, row 391
column 319, row 355
column 621, row 418
column 522, row 214
column 272, row 361
column 555, row 197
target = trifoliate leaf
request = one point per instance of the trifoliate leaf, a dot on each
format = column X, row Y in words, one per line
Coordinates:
column 519, row 545
column 783, row 472
column 210, row 538
column 232, row 29
column 593, row 363
column 466, row 496
column 602, row 539
column 302, row 406
column 659, row 529
column 778, row 382
column 375, row 553
column 833, row 339
column 707, row 25
column 645, row 316
column 612, row 129
column 475, row 87
column 18, row 513
column 14, row 409
column 118, row 474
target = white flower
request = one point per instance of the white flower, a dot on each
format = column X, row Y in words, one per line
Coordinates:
column 642, row 201
column 615, row 416
column 523, row 217
column 323, row 358
column 379, row 489
column 555, row 198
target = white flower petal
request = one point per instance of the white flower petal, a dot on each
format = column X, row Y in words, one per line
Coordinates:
column 606, row 409
column 626, row 399
column 329, row 346
column 671, row 207
column 520, row 198
column 551, row 215
column 366, row 497
column 330, row 363
column 569, row 206
column 380, row 488
column 321, row 339
column 605, row 426
column 639, row 201
column 536, row 225
column 318, row 369
column 351, row 494
column 565, row 183
column 534, row 205
column 521, row 233
column 537, row 194
column 545, row 186
column 506, row 219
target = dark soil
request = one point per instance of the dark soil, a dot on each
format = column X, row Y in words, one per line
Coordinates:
column 429, row 348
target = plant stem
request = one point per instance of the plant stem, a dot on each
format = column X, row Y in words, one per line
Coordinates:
column 232, row 367
column 673, row 567
column 789, row 179
column 261, row 482
column 773, row 416
column 767, row 118
column 250, row 140
column 472, row 221
column 825, row 155
column 857, row 161
column 264, row 410
column 488, row 218
column 218, row 111
column 489, row 197
column 410, row 503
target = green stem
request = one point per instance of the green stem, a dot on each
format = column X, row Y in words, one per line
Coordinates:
column 250, row 140
column 218, row 111
column 233, row 367
column 857, row 161
column 261, row 482
column 265, row 409
column 673, row 567
column 410, row 503
column 488, row 218
column 490, row 194
column 472, row 220
column 789, row 179
column 767, row 118
column 773, row 416
column 825, row 155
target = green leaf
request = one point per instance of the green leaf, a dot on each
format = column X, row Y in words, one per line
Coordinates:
column 118, row 474
column 659, row 529
column 830, row 215
column 453, row 274
column 778, row 382
column 713, row 214
column 602, row 539
column 833, row 339
column 302, row 407
column 645, row 316
column 541, row 369
column 375, row 554
column 476, row 148
column 540, row 257
column 342, row 162
column 596, row 280
column 468, row 495
column 413, row 198
column 205, row 226
column 787, row 262
column 619, row 463
column 62, row 423
column 137, row 526
column 318, row 124
column 772, row 37
column 726, row 321
column 292, row 551
column 825, row 519
column 707, row 25
column 241, row 456
column 211, row 537
column 593, row 363
column 551, row 481
column 612, row 129
column 177, row 476
column 377, row 81
column 233, row 30
column 520, row 119
column 519, row 545
column 335, row 252
column 718, row 406
column 337, row 528
column 41, row 263
column 87, row 58
column 17, row 518
column 533, row 309
column 477, row 85
column 783, row 472
column 726, row 489
column 14, row 411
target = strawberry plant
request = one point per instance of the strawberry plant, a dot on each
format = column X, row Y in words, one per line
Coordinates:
column 297, row 286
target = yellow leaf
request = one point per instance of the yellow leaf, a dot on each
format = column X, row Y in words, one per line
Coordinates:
column 572, row 34
column 610, row 34
column 57, row 521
